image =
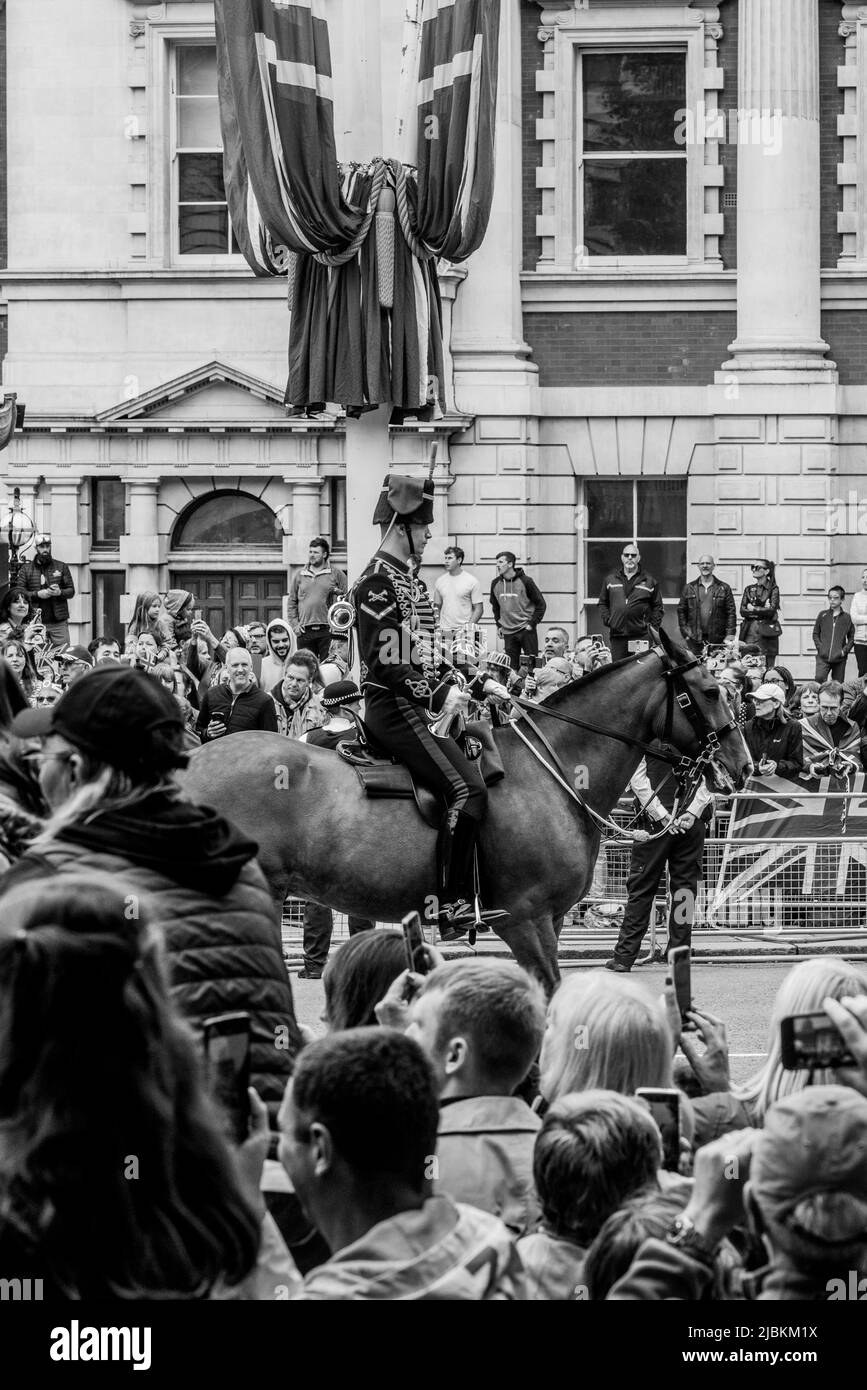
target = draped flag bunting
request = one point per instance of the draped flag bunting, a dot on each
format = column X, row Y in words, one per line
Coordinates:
column 359, row 245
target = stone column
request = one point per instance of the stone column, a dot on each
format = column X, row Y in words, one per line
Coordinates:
column 140, row 548
column 306, row 487
column 68, row 544
column 488, row 335
column 779, row 319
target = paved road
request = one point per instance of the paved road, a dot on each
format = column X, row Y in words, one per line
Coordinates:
column 742, row 995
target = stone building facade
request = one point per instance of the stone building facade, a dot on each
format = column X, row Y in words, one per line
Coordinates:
column 663, row 336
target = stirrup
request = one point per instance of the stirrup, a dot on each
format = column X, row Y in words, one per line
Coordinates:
column 480, row 918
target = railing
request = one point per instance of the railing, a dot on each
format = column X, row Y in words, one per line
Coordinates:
column 773, row 885
column 786, row 885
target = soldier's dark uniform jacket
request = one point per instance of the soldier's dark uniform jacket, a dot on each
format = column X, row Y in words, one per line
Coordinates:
column 406, row 682
column 396, row 637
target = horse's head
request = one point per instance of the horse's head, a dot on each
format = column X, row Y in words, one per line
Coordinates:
column 696, row 717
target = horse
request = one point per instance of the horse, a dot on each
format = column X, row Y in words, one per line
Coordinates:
column 320, row 838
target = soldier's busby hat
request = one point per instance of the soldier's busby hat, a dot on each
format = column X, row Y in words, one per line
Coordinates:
column 408, row 499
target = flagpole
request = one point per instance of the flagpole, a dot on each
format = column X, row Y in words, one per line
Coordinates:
column 406, row 129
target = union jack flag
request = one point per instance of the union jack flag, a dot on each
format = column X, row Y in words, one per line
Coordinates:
column 791, row 855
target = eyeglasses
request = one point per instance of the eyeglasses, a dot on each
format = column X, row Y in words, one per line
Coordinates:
column 759, row 569
column 630, row 555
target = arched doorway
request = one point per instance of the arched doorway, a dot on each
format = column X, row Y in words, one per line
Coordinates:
column 226, row 549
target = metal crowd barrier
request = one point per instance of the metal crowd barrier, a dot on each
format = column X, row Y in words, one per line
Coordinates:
column 788, row 884
column 814, row 885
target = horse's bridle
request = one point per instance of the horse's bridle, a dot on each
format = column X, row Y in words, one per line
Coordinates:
column 690, row 770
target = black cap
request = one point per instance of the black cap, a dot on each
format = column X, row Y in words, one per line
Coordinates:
column 112, row 713
column 410, row 499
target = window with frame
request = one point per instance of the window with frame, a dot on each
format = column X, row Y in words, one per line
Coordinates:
column 651, row 511
column 337, row 512
column 632, row 162
column 107, row 590
column 201, row 212
column 108, row 512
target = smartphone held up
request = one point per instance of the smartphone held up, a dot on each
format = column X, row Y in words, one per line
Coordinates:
column 665, row 1108
column 227, row 1063
column 413, row 940
column 681, row 977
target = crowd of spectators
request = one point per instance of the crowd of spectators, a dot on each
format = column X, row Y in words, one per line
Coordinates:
column 451, row 1136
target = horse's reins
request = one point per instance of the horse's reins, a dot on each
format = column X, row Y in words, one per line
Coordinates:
column 694, row 768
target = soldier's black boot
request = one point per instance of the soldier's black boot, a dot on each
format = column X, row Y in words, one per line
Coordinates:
column 455, row 850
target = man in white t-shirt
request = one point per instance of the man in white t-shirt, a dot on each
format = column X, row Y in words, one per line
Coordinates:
column 457, row 597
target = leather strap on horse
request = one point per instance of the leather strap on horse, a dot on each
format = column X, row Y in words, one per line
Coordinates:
column 692, row 768
column 560, row 776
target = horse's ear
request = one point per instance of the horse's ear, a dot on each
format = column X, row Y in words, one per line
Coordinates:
column 669, row 644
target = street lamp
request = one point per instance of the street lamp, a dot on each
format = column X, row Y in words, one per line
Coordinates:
column 20, row 531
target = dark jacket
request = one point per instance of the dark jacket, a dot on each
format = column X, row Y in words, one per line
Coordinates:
column 252, row 709
column 833, row 635
column 34, row 576
column 780, row 741
column 723, row 614
column 766, row 599
column 630, row 607
column 396, row 646
column 517, row 603
column 202, row 889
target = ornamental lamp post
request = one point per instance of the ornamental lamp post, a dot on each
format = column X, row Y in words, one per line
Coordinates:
column 20, row 531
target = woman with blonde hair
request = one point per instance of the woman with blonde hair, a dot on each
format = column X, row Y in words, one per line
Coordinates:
column 605, row 1033
column 801, row 992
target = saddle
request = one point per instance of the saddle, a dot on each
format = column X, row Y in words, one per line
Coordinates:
column 383, row 778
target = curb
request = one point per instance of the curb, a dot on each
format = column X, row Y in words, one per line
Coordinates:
column 728, row 952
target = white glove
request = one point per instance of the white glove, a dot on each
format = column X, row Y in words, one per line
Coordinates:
column 496, row 691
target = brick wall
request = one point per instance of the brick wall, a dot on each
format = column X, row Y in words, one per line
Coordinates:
column 831, row 56
column 845, row 330
column 628, row 349
column 531, row 108
column 728, row 101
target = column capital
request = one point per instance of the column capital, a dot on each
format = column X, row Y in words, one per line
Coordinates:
column 311, row 480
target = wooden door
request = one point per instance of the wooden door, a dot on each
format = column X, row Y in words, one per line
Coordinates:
column 232, row 600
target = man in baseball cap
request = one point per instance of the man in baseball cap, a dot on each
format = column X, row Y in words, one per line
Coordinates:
column 74, row 662
column 776, row 743
column 112, row 715
column 808, row 1189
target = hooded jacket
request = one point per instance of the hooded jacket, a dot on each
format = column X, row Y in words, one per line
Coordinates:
column 485, row 1156
column 272, row 665
column 202, row 889
column 442, row 1251
column 516, row 603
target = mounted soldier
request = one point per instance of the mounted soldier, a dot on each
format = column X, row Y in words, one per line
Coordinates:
column 409, row 687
